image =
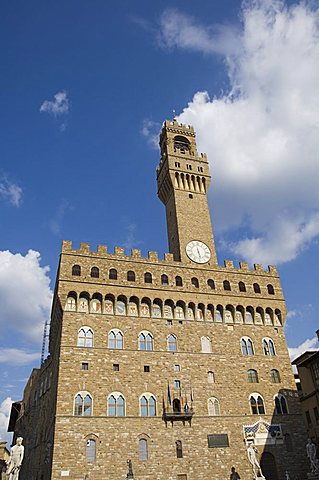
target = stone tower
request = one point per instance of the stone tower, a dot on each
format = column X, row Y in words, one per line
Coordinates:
column 183, row 180
column 169, row 368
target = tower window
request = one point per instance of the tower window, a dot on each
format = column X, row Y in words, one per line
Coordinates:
column 190, row 195
column 181, row 144
column 116, row 367
column 242, row 287
column 148, row 277
column 271, row 290
column 178, row 281
column 195, row 282
column 275, row 376
column 76, row 270
column 177, row 165
column 211, row 284
column 113, row 274
column 200, row 169
column 226, row 285
column 256, row 288
column 95, row 272
column 164, row 280
column 85, row 366
column 252, row 376
column 188, row 166
column 131, row 276
column 147, row 368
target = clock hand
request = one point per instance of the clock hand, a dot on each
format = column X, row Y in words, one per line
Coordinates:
column 198, row 252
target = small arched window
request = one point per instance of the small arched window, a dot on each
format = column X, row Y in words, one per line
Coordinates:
column 275, row 376
column 206, row 345
column 252, row 376
column 148, row 405
column 116, row 405
column 269, row 347
column 95, row 272
column 247, row 346
column 83, row 404
column 242, row 287
column 164, row 279
column 113, row 274
column 211, row 284
column 76, row 270
column 179, row 449
column 148, row 277
column 85, row 337
column 90, row 450
column 226, row 285
column 280, row 405
column 213, row 407
column 195, row 282
column 256, row 288
column 143, row 449
column 270, row 289
column 181, row 144
column 131, row 276
column 115, row 339
column 70, row 304
column 171, row 343
column 178, row 281
column 145, row 341
column 257, row 404
column 210, row 377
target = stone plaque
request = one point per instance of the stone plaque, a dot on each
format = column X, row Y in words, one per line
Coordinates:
column 218, row 440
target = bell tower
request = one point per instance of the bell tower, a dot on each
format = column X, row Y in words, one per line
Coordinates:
column 183, row 180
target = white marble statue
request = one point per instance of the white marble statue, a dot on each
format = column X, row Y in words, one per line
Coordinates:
column 252, row 457
column 16, row 457
column 312, row 455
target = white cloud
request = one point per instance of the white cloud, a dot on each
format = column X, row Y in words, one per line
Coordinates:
column 16, row 357
column 25, row 295
column 55, row 224
column 262, row 136
column 309, row 344
column 59, row 106
column 150, row 130
column 5, row 409
column 10, row 191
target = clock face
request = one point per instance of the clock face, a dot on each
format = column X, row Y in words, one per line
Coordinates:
column 198, row 251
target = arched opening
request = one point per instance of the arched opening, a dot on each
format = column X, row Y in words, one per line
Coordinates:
column 130, row 276
column 211, row 284
column 268, row 466
column 181, row 144
column 256, row 288
column 176, row 405
column 242, row 287
column 95, row 272
column 148, row 277
column 178, row 281
column 76, row 270
column 113, row 274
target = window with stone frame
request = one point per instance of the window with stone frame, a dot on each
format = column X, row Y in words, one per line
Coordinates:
column 147, row 405
column 143, row 449
column 85, row 337
column 116, row 405
column 281, row 407
column 76, row 270
column 275, row 376
column 90, row 450
column 257, row 404
column 83, row 404
column 252, row 376
column 115, row 339
column 247, row 346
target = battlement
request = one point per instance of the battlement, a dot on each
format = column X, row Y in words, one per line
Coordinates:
column 153, row 257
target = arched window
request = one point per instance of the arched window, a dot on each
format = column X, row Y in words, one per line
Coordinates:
column 280, row 405
column 148, row 405
column 76, row 270
column 195, row 282
column 179, row 449
column 269, row 347
column 164, row 279
column 115, row 339
column 83, row 404
column 211, row 284
column 171, row 343
column 210, row 377
column 113, row 274
column 181, row 144
column 270, row 289
column 177, row 405
column 252, row 376
column 247, row 346
column 206, row 345
column 178, row 281
column 85, row 337
column 116, row 405
column 213, row 407
column 275, row 376
column 242, row 287
column 70, row 304
column 95, row 272
column 143, row 449
column 90, row 450
column 148, row 277
column 145, row 341
column 131, row 276
column 256, row 288
column 257, row 404
column 226, row 285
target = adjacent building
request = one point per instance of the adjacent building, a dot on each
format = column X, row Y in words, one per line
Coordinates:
column 175, row 364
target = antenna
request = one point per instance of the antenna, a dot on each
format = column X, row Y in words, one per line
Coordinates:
column 45, row 335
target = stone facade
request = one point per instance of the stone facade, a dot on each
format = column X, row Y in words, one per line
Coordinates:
column 178, row 348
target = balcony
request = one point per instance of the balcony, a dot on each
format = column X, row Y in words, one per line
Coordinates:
column 170, row 415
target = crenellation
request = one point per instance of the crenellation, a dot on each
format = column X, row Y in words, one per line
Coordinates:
column 258, row 268
column 119, row 251
column 135, row 253
column 244, row 266
column 168, row 257
column 85, row 247
column 102, row 250
column 153, row 256
column 228, row 264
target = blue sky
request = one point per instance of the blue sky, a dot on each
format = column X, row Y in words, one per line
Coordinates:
column 85, row 87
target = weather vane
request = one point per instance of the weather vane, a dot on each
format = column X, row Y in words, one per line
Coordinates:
column 174, row 114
